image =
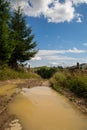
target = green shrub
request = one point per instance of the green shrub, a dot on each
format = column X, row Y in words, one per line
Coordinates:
column 76, row 83
column 78, row 86
column 46, row 72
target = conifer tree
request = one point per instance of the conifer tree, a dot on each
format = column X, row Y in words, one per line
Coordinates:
column 23, row 38
column 5, row 44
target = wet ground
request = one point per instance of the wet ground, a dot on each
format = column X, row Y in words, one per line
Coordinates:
column 41, row 108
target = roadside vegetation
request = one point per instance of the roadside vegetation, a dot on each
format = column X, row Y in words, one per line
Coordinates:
column 46, row 72
column 76, row 82
column 8, row 73
column 62, row 79
column 17, row 43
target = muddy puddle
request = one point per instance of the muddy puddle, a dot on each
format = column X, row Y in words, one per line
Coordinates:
column 41, row 108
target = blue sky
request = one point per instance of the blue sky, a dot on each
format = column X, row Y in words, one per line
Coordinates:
column 60, row 28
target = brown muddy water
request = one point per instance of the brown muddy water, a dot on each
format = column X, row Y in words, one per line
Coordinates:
column 41, row 108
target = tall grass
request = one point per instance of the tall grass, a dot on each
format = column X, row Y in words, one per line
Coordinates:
column 8, row 73
column 76, row 82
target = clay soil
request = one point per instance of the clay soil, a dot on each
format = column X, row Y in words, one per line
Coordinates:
column 8, row 90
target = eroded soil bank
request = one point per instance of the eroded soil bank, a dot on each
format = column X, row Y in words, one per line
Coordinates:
column 79, row 102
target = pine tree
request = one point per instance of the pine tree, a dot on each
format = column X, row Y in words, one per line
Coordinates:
column 5, row 43
column 24, row 45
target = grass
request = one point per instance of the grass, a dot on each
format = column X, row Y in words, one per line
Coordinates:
column 75, row 82
column 8, row 73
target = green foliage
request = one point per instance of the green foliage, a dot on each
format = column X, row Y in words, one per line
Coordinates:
column 16, row 40
column 7, row 73
column 46, row 72
column 24, row 45
column 76, row 83
column 5, row 42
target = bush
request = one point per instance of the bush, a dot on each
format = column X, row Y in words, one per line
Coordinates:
column 78, row 86
column 46, row 72
column 76, row 83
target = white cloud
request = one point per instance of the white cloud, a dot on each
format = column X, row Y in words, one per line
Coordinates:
column 36, row 58
column 57, row 57
column 53, row 63
column 75, row 50
column 38, row 7
column 53, row 52
column 78, row 1
column 84, row 44
column 52, row 10
column 60, row 12
column 79, row 20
